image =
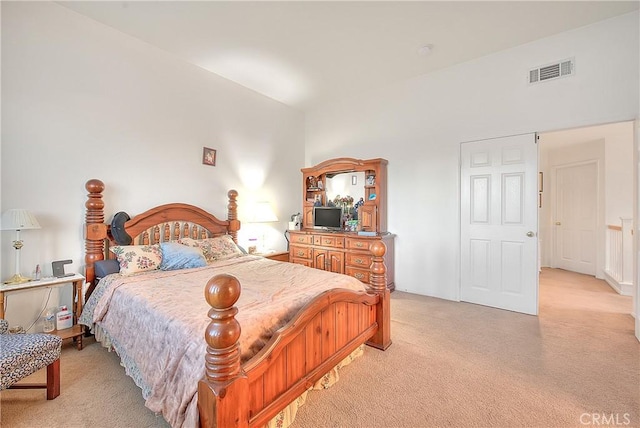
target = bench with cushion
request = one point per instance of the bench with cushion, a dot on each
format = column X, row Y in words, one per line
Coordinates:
column 24, row 354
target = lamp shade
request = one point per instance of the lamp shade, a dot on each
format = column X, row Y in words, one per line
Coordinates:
column 19, row 219
column 263, row 213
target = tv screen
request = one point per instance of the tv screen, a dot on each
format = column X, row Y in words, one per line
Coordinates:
column 327, row 217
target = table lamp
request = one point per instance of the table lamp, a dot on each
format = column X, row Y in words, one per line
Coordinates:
column 263, row 213
column 18, row 219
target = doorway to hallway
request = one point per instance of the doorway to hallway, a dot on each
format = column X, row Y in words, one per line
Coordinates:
column 583, row 299
column 598, row 161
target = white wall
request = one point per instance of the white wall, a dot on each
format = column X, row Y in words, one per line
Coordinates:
column 619, row 173
column 418, row 126
column 82, row 101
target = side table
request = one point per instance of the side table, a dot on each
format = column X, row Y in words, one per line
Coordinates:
column 76, row 331
column 281, row 256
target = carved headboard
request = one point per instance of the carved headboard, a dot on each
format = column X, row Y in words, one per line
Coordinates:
column 159, row 224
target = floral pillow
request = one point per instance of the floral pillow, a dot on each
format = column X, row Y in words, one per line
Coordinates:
column 137, row 258
column 218, row 248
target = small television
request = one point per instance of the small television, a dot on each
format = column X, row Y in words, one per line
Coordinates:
column 328, row 218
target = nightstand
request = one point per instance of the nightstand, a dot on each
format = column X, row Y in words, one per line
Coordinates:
column 76, row 331
column 281, row 256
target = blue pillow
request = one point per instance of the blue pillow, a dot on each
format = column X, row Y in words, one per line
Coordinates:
column 178, row 256
column 105, row 267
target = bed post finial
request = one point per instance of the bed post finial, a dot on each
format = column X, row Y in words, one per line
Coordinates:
column 378, row 279
column 95, row 230
column 378, row 284
column 232, row 215
column 223, row 374
column 222, row 334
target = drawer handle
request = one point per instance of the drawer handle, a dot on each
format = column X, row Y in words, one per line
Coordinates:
column 359, row 244
column 359, row 275
column 327, row 241
column 300, row 253
column 300, row 239
column 359, row 261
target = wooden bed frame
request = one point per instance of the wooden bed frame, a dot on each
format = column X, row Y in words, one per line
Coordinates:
column 321, row 335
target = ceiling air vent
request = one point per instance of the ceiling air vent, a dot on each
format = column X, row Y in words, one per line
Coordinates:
column 552, row 71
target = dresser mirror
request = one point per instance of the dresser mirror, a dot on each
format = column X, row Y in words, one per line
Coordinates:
column 346, row 184
column 361, row 185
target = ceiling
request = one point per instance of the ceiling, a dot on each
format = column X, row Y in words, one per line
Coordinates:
column 302, row 53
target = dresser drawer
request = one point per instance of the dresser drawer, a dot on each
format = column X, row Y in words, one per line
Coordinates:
column 299, row 238
column 300, row 252
column 361, row 274
column 358, row 260
column 328, row 241
column 358, row 244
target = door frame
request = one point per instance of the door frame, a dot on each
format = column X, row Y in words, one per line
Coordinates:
column 600, row 226
column 636, row 227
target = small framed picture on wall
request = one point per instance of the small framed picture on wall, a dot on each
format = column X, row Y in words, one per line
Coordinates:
column 208, row 156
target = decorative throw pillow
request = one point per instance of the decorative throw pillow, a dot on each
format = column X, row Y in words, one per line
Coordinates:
column 106, row 267
column 218, row 248
column 137, row 258
column 178, row 256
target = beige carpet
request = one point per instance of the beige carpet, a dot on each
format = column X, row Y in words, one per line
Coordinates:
column 450, row 365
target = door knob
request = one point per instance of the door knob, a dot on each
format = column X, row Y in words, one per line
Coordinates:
column 530, row 234
column 558, row 223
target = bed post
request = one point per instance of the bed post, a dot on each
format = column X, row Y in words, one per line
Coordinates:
column 378, row 284
column 95, row 231
column 232, row 215
column 223, row 399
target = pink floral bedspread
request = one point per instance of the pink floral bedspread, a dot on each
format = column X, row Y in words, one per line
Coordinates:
column 158, row 320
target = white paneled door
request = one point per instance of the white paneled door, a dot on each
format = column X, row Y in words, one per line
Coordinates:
column 499, row 223
column 576, row 210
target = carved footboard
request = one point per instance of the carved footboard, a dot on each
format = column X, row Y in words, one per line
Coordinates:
column 321, row 335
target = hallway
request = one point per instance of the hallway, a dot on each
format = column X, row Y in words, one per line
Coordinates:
column 573, row 297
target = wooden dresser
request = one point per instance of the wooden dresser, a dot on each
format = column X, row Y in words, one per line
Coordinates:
column 340, row 252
